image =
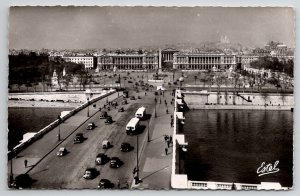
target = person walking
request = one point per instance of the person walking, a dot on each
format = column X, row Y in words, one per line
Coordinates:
column 166, row 151
column 25, row 163
column 168, row 142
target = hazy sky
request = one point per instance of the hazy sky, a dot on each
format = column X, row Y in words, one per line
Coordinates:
column 126, row 27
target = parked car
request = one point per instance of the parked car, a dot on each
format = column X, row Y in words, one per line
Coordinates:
column 125, row 147
column 90, row 173
column 78, row 138
column 108, row 120
column 22, row 181
column 101, row 159
column 115, row 162
column 105, row 144
column 90, row 126
column 121, row 109
column 132, row 98
column 105, row 184
column 129, row 81
column 61, row 152
column 103, row 115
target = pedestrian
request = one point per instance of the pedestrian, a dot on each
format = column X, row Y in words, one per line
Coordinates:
column 168, row 142
column 166, row 138
column 118, row 184
column 25, row 163
column 145, row 94
column 171, row 139
column 171, row 116
column 167, row 111
column 166, row 151
column 171, row 123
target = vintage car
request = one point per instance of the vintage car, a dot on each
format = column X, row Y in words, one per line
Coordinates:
column 61, row 152
column 78, row 138
column 90, row 126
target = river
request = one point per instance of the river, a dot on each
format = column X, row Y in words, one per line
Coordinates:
column 230, row 145
column 23, row 120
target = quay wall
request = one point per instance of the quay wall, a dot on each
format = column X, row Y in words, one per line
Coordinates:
column 224, row 100
column 54, row 124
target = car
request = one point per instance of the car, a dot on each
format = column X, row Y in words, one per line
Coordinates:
column 61, row 152
column 129, row 81
column 155, row 93
column 90, row 126
column 121, row 109
column 117, row 82
column 78, row 138
column 103, row 115
column 175, row 82
column 125, row 147
column 90, row 173
column 108, row 120
column 109, row 76
column 105, row 184
column 169, row 83
column 101, row 159
column 114, row 103
column 105, row 144
column 151, row 86
column 132, row 98
column 22, row 181
column 139, row 97
column 115, row 162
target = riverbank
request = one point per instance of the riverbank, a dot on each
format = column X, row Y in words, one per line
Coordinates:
column 42, row 104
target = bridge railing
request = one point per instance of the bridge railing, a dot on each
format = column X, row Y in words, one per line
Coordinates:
column 52, row 125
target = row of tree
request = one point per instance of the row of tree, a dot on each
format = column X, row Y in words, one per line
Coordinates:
column 31, row 69
column 275, row 65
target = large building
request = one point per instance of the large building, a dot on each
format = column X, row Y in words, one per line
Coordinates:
column 88, row 61
column 203, row 61
column 127, row 61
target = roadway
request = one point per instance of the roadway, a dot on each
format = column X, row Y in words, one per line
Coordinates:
column 66, row 172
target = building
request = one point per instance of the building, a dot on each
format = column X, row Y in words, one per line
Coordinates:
column 203, row 61
column 88, row 61
column 146, row 61
column 246, row 60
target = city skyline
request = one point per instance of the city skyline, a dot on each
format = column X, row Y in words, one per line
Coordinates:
column 134, row 27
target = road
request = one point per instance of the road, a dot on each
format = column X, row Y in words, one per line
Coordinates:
column 66, row 172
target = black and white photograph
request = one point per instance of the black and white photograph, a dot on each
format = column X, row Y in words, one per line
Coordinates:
column 150, row 98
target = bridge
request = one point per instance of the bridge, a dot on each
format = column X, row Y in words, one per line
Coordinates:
column 52, row 172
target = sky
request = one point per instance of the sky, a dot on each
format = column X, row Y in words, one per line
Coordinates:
column 133, row 27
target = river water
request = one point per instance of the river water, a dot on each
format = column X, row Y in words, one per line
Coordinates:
column 230, row 145
column 22, row 120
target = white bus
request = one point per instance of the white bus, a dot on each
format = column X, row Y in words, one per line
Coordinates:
column 132, row 126
column 140, row 113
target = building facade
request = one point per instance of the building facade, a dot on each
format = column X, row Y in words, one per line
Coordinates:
column 127, row 61
column 203, row 61
column 88, row 61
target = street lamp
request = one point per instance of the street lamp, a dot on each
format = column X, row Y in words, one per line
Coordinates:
column 155, row 108
column 137, row 178
column 88, row 107
column 59, row 121
column 148, row 131
column 11, row 178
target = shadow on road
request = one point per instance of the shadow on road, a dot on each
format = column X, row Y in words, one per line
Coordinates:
column 154, row 172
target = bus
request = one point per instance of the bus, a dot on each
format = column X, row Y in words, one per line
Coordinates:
column 132, row 126
column 140, row 113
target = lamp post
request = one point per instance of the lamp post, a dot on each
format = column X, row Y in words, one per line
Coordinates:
column 137, row 178
column 11, row 178
column 155, row 108
column 88, row 107
column 59, row 121
column 148, row 131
